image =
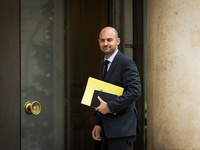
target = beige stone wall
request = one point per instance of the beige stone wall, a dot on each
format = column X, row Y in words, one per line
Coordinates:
column 173, row 74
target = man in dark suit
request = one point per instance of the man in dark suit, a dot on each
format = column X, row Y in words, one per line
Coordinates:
column 117, row 119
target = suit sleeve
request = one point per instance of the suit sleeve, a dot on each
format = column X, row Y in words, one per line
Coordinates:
column 98, row 119
column 132, row 88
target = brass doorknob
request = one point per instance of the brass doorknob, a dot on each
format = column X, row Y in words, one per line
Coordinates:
column 32, row 108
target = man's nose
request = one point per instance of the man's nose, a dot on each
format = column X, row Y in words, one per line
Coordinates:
column 105, row 42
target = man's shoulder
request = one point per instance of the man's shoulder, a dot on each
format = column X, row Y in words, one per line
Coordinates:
column 124, row 57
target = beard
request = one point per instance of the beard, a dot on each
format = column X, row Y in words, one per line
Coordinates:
column 108, row 50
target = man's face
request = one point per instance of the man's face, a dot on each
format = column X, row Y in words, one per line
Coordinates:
column 108, row 41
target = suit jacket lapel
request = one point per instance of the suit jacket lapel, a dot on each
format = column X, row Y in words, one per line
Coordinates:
column 101, row 65
column 112, row 67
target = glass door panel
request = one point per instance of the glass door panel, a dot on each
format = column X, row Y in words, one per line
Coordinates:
column 42, row 74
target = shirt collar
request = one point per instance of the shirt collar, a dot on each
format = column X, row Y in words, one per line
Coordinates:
column 110, row 59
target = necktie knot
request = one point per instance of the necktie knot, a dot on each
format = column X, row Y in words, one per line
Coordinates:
column 106, row 62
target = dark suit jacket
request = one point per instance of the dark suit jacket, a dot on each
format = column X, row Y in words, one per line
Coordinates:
column 122, row 72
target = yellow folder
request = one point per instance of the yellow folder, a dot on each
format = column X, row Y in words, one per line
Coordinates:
column 95, row 84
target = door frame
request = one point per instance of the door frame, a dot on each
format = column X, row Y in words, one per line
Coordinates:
column 10, row 74
column 117, row 19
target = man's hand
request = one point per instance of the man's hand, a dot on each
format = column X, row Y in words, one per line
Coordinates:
column 103, row 107
column 96, row 133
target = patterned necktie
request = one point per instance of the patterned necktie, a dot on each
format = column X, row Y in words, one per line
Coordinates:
column 105, row 69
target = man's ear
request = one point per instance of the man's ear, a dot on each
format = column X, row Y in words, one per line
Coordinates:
column 118, row 41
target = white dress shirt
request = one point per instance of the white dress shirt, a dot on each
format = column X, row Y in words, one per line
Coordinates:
column 110, row 59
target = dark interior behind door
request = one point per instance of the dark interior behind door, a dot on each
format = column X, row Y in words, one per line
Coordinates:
column 9, row 75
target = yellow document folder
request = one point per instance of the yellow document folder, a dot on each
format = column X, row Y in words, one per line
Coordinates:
column 95, row 84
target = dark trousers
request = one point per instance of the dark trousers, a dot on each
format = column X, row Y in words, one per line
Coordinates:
column 123, row 143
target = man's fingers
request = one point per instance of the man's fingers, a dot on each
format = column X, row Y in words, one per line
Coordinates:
column 103, row 107
column 96, row 133
column 99, row 98
column 97, row 138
